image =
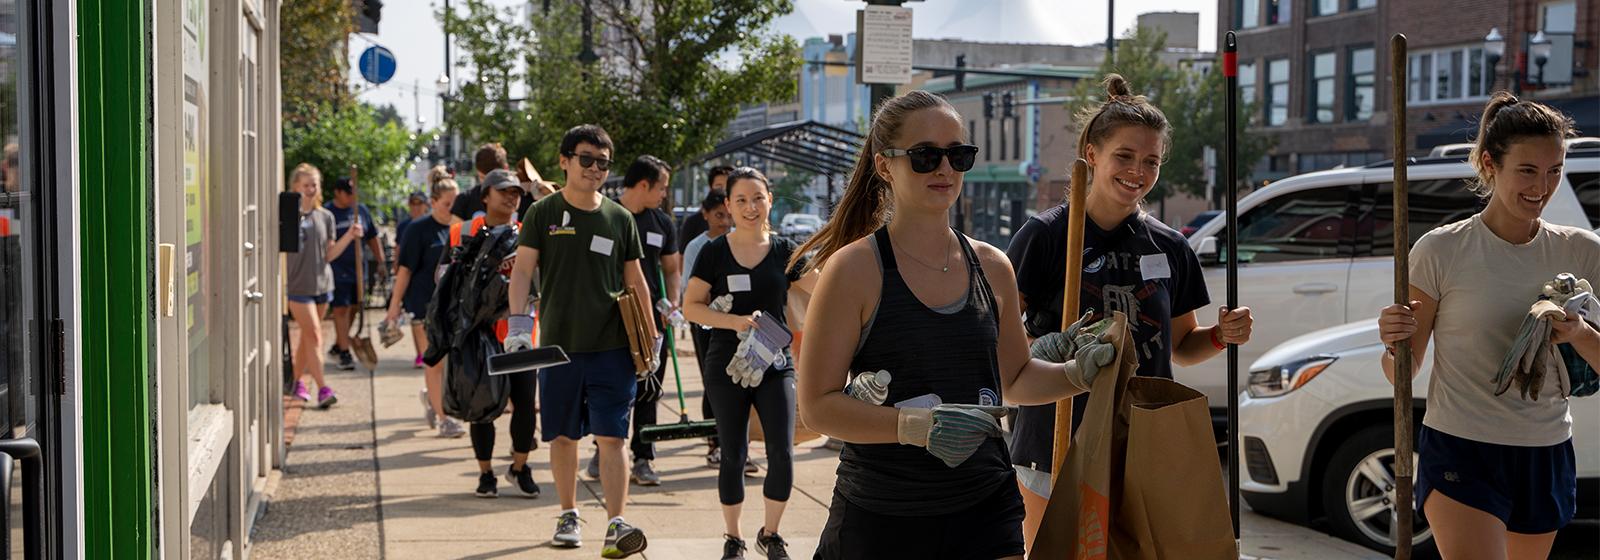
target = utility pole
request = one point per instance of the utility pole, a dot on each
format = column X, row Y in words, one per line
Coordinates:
column 1111, row 34
column 879, row 93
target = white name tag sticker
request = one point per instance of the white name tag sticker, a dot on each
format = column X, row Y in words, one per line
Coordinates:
column 601, row 245
column 929, row 400
column 1155, row 266
column 653, row 239
column 738, row 282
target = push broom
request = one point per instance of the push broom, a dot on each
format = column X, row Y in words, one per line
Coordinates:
column 683, row 428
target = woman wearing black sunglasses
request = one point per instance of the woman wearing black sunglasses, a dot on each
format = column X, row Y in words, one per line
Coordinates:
column 1132, row 263
column 914, row 298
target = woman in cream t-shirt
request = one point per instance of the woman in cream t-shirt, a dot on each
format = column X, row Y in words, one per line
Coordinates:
column 1496, row 475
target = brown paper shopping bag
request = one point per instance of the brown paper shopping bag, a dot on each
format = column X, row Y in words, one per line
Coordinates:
column 1141, row 480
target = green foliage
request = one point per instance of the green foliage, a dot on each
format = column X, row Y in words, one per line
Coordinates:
column 313, row 50
column 1193, row 104
column 354, row 135
column 667, row 85
column 788, row 191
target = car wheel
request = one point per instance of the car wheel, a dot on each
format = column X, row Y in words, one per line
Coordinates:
column 1358, row 493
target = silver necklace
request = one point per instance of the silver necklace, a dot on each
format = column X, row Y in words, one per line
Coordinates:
column 946, row 267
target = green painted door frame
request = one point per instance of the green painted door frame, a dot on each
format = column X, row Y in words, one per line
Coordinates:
column 115, row 371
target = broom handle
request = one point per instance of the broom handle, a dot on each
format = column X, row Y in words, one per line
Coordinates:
column 1230, row 72
column 1077, row 198
column 672, row 348
column 1402, row 295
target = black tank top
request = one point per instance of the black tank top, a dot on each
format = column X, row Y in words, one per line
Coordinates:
column 951, row 354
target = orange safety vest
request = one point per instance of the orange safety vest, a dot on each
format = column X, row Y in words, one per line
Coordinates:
column 460, row 230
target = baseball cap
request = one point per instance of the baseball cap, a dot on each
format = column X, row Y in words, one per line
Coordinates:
column 418, row 197
column 501, row 179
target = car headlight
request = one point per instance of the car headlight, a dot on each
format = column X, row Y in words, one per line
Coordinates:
column 1281, row 379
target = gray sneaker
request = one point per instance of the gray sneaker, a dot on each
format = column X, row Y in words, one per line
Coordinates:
column 449, row 428
column 644, row 474
column 593, row 470
column 623, row 540
column 568, row 534
column 428, row 414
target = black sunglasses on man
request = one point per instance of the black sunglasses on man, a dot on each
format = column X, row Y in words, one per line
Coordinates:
column 602, row 164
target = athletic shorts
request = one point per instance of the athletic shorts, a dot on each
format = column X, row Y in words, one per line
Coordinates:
column 344, row 294
column 1034, row 480
column 593, row 394
column 1533, row 490
column 990, row 529
column 316, row 299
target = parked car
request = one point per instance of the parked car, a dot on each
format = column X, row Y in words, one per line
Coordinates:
column 1317, row 436
column 1316, row 250
column 800, row 226
column 1199, row 220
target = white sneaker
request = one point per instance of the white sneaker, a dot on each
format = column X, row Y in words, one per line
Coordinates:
column 428, row 413
column 450, row 428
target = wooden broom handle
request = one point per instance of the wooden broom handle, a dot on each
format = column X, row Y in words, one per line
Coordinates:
column 1077, row 199
column 1403, row 444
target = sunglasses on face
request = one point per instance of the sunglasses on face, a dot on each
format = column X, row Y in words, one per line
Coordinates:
column 591, row 161
column 925, row 159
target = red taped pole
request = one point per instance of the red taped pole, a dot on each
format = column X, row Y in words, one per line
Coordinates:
column 1230, row 63
column 1230, row 177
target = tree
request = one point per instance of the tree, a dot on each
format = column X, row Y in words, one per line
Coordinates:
column 313, row 38
column 381, row 151
column 671, row 77
column 789, row 190
column 387, row 113
column 1194, row 107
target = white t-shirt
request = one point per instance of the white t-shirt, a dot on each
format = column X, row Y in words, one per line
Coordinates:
column 1484, row 286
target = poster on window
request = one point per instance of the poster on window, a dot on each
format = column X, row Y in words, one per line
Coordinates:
column 195, row 196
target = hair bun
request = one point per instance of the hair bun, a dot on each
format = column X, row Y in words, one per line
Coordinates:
column 1116, row 86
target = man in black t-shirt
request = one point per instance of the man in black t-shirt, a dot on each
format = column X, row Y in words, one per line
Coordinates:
column 695, row 224
column 644, row 188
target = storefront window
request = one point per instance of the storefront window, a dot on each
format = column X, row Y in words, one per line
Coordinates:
column 17, row 220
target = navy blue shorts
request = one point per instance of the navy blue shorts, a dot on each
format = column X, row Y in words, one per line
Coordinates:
column 344, row 294
column 316, row 299
column 591, row 395
column 1533, row 490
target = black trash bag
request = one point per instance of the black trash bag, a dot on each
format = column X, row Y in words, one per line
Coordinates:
column 470, row 393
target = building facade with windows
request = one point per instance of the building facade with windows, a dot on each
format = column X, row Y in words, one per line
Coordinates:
column 1315, row 71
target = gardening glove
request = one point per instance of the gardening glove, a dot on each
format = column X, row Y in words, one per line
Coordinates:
column 870, row 387
column 951, row 432
column 519, row 333
column 1092, row 355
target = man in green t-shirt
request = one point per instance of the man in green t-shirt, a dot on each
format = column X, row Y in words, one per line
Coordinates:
column 586, row 249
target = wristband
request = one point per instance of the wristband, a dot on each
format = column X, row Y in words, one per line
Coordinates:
column 1214, row 341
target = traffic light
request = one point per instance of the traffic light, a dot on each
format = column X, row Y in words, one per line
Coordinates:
column 961, row 77
column 370, row 11
column 988, row 105
column 1008, row 105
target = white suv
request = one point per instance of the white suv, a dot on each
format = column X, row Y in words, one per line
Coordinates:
column 1316, row 250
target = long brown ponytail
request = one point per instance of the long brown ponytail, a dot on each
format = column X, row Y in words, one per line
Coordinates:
column 867, row 202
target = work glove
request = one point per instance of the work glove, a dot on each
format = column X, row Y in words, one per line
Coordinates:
column 951, row 432
column 870, row 387
column 519, row 333
column 1058, row 347
column 649, row 389
column 1093, row 353
column 745, row 367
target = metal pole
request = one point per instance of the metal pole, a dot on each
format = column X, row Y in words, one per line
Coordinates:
column 1230, row 163
column 1402, row 296
column 1111, row 34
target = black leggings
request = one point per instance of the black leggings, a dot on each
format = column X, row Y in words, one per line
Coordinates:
column 774, row 401
column 523, row 419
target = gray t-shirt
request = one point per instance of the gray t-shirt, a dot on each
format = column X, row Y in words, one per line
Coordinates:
column 307, row 271
column 1484, row 286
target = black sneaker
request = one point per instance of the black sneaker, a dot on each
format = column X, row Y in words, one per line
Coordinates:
column 771, row 545
column 523, row 482
column 486, row 486
column 623, row 540
column 333, row 351
column 732, row 548
column 347, row 362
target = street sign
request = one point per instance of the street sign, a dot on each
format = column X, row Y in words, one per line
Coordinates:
column 377, row 64
column 884, row 55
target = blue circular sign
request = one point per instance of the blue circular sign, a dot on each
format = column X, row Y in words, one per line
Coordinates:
column 377, row 64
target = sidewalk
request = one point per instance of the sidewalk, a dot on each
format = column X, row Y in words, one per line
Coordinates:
column 413, row 492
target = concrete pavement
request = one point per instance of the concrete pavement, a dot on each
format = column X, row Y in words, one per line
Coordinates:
column 422, row 500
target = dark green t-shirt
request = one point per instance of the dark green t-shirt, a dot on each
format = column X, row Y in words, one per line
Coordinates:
column 581, row 255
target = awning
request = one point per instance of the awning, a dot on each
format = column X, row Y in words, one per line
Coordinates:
column 810, row 145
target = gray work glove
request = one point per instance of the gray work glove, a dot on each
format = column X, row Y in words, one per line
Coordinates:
column 1058, row 347
column 951, row 432
column 870, row 387
column 519, row 333
column 1092, row 355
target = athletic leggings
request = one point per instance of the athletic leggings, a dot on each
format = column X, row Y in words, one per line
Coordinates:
column 523, row 418
column 774, row 401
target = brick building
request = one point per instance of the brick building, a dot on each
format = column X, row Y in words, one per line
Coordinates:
column 1317, row 71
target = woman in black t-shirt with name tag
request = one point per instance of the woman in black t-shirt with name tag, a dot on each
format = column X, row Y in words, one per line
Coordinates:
column 749, row 266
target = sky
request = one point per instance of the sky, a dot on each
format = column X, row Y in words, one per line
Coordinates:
column 410, row 30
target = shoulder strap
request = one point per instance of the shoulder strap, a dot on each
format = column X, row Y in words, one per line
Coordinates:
column 885, row 250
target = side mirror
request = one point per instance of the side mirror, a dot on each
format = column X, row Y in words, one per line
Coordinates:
column 1208, row 247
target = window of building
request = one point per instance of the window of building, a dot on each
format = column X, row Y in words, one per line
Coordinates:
column 1363, row 4
column 1277, row 92
column 1247, row 84
column 1559, row 21
column 1324, row 7
column 1322, row 87
column 1360, row 89
column 1278, row 11
column 1452, row 74
column 1248, row 14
